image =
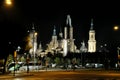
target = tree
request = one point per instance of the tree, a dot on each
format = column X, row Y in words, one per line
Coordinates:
column 73, row 63
column 8, row 61
column 57, row 60
column 28, row 44
column 23, row 59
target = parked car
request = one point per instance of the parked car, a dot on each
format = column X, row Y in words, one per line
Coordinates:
column 90, row 65
column 94, row 65
column 31, row 67
column 99, row 65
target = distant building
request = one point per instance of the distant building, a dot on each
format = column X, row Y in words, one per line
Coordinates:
column 64, row 42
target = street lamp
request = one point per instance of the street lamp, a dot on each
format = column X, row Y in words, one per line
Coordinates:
column 34, row 44
column 118, row 49
column 15, row 56
column 27, row 61
column 8, row 2
column 115, row 28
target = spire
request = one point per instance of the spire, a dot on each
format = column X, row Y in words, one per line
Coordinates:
column 68, row 20
column 33, row 28
column 54, row 31
column 40, row 45
column 91, row 24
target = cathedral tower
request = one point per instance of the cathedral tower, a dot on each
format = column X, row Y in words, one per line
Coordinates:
column 68, row 35
column 53, row 43
column 91, row 41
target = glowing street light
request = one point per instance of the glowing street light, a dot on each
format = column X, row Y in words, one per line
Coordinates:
column 8, row 2
column 34, row 45
column 115, row 28
column 35, row 33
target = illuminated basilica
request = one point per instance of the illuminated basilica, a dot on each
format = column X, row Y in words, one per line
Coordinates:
column 64, row 42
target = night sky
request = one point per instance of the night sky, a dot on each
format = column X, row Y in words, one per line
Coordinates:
column 15, row 21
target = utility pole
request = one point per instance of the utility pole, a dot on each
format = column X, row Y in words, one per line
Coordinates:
column 27, row 60
column 34, row 47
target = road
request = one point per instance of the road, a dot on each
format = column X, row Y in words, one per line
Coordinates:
column 64, row 75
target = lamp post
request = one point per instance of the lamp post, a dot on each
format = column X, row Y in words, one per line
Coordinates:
column 27, row 61
column 15, row 55
column 81, row 60
column 34, row 44
column 116, row 28
column 118, row 63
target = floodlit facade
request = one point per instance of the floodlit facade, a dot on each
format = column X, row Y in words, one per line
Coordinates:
column 64, row 42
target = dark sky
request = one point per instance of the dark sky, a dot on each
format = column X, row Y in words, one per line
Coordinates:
column 16, row 20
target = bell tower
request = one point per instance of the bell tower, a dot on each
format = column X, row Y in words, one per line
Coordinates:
column 91, row 41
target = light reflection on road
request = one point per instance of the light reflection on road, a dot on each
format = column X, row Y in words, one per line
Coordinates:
column 64, row 75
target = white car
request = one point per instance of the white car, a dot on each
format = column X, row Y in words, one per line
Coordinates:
column 94, row 65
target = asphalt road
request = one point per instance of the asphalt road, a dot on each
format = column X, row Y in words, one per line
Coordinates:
column 64, row 75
